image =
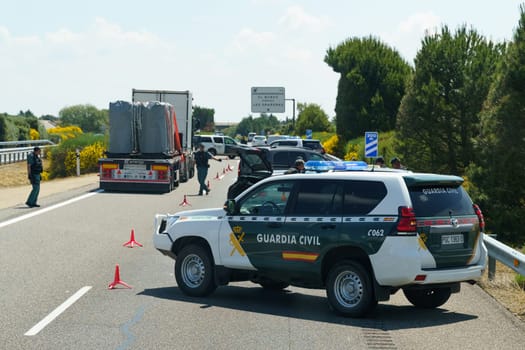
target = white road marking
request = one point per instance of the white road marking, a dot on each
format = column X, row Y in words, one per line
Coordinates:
column 46, row 209
column 55, row 313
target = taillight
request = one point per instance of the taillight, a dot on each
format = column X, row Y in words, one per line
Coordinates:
column 407, row 220
column 481, row 219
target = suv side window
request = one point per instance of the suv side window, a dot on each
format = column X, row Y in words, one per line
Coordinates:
column 280, row 159
column 229, row 141
column 218, row 139
column 318, row 198
column 205, row 139
column 268, row 200
column 361, row 197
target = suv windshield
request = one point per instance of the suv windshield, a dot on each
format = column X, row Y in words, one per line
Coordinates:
column 441, row 201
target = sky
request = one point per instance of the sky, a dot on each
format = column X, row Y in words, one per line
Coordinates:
column 59, row 53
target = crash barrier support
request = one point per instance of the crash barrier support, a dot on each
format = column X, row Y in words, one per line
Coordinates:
column 503, row 253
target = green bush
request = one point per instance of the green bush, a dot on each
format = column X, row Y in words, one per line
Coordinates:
column 63, row 157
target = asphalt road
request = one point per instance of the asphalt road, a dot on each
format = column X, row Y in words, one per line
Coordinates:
column 71, row 248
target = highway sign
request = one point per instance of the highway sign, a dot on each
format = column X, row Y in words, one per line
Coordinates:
column 371, row 144
column 268, row 99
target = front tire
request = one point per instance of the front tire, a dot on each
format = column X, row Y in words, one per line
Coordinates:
column 194, row 271
column 427, row 298
column 349, row 289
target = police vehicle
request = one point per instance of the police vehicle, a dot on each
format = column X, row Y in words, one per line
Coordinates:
column 362, row 235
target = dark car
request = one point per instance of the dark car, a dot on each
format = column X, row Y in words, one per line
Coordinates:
column 259, row 163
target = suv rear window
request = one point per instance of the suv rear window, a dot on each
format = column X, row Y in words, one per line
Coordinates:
column 312, row 144
column 440, row 201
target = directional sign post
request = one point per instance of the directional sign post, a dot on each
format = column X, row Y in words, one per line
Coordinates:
column 371, row 144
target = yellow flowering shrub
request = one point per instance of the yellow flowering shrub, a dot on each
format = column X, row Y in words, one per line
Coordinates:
column 331, row 144
column 34, row 134
column 90, row 155
column 64, row 133
column 352, row 152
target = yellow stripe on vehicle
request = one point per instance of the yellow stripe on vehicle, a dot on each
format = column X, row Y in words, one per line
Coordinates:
column 300, row 256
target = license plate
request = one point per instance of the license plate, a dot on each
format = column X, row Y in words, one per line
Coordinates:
column 451, row 239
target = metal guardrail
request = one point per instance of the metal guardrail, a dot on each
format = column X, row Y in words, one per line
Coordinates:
column 19, row 154
column 501, row 252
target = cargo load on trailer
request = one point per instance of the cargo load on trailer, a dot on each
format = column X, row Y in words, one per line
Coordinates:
column 145, row 151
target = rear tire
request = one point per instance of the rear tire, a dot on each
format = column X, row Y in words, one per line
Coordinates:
column 349, row 289
column 428, row 298
column 231, row 156
column 212, row 151
column 194, row 271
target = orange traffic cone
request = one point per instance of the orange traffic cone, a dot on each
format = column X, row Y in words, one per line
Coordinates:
column 132, row 242
column 223, row 171
column 217, row 177
column 209, row 184
column 229, row 167
column 117, row 280
column 185, row 202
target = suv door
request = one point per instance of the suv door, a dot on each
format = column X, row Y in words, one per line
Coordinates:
column 313, row 220
column 257, row 226
column 219, row 144
column 253, row 167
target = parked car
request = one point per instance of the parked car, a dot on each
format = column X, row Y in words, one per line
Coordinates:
column 257, row 165
column 259, row 140
column 311, row 144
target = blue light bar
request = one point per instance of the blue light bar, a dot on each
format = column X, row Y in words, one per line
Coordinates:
column 325, row 165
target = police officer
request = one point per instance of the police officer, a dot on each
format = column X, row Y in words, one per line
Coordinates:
column 297, row 168
column 201, row 160
column 34, row 169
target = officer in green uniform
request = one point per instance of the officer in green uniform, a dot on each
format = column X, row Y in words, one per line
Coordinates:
column 201, row 161
column 34, row 169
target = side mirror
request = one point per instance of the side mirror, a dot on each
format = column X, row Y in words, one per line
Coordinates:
column 229, row 206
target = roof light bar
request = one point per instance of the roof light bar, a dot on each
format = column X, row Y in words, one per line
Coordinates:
column 326, row 165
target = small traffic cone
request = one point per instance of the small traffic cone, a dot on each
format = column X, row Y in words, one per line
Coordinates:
column 209, row 184
column 230, row 167
column 132, row 242
column 217, row 177
column 185, row 202
column 223, row 171
column 117, row 280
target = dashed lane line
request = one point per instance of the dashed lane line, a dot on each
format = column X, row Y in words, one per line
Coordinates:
column 55, row 313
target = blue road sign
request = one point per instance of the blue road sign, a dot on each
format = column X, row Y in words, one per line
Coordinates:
column 371, row 144
column 308, row 134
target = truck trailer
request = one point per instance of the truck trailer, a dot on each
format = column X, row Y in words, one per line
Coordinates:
column 145, row 150
column 182, row 101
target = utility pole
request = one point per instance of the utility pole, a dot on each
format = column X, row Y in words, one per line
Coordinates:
column 293, row 112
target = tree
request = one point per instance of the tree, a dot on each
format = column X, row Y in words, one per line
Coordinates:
column 438, row 118
column 312, row 117
column 204, row 117
column 372, row 83
column 87, row 117
column 499, row 175
column 264, row 124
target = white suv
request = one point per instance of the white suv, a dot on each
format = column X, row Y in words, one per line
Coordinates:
column 361, row 235
column 220, row 145
column 314, row 145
